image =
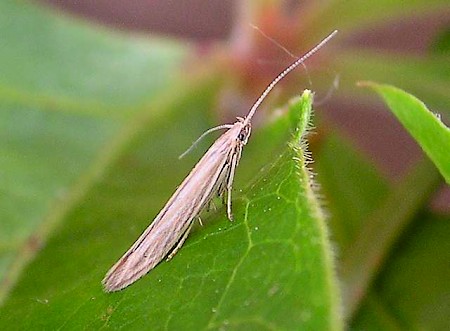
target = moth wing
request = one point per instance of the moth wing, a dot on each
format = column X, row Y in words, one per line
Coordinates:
column 151, row 247
column 175, row 218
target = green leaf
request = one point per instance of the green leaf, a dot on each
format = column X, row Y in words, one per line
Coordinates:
column 413, row 289
column 352, row 186
column 369, row 220
column 69, row 66
column 270, row 269
column 442, row 43
column 376, row 315
column 65, row 90
column 426, row 128
column 371, row 246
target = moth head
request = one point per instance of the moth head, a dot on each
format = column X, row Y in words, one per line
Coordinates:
column 244, row 133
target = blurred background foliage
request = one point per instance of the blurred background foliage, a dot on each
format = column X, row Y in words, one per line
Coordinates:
column 74, row 74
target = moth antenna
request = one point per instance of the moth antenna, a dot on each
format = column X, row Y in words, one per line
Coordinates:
column 334, row 86
column 294, row 65
column 276, row 43
column 272, row 40
column 204, row 134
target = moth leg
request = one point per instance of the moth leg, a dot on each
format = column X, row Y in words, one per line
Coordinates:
column 180, row 242
column 199, row 221
column 234, row 162
column 222, row 184
column 224, row 202
column 214, row 207
column 211, row 206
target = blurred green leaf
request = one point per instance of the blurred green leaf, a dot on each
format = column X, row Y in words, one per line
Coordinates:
column 426, row 128
column 65, row 65
column 371, row 246
column 65, row 90
column 376, row 315
column 271, row 268
column 414, row 289
column 442, row 42
column 352, row 186
column 359, row 200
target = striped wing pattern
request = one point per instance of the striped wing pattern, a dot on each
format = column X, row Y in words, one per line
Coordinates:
column 176, row 217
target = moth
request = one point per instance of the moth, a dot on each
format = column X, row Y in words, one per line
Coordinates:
column 212, row 175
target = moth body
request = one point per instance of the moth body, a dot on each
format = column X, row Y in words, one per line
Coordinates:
column 213, row 174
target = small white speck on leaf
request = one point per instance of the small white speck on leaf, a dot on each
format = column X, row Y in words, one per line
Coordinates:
column 274, row 289
column 305, row 315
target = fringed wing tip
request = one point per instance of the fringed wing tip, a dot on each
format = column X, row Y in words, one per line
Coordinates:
column 114, row 279
column 109, row 285
column 119, row 276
